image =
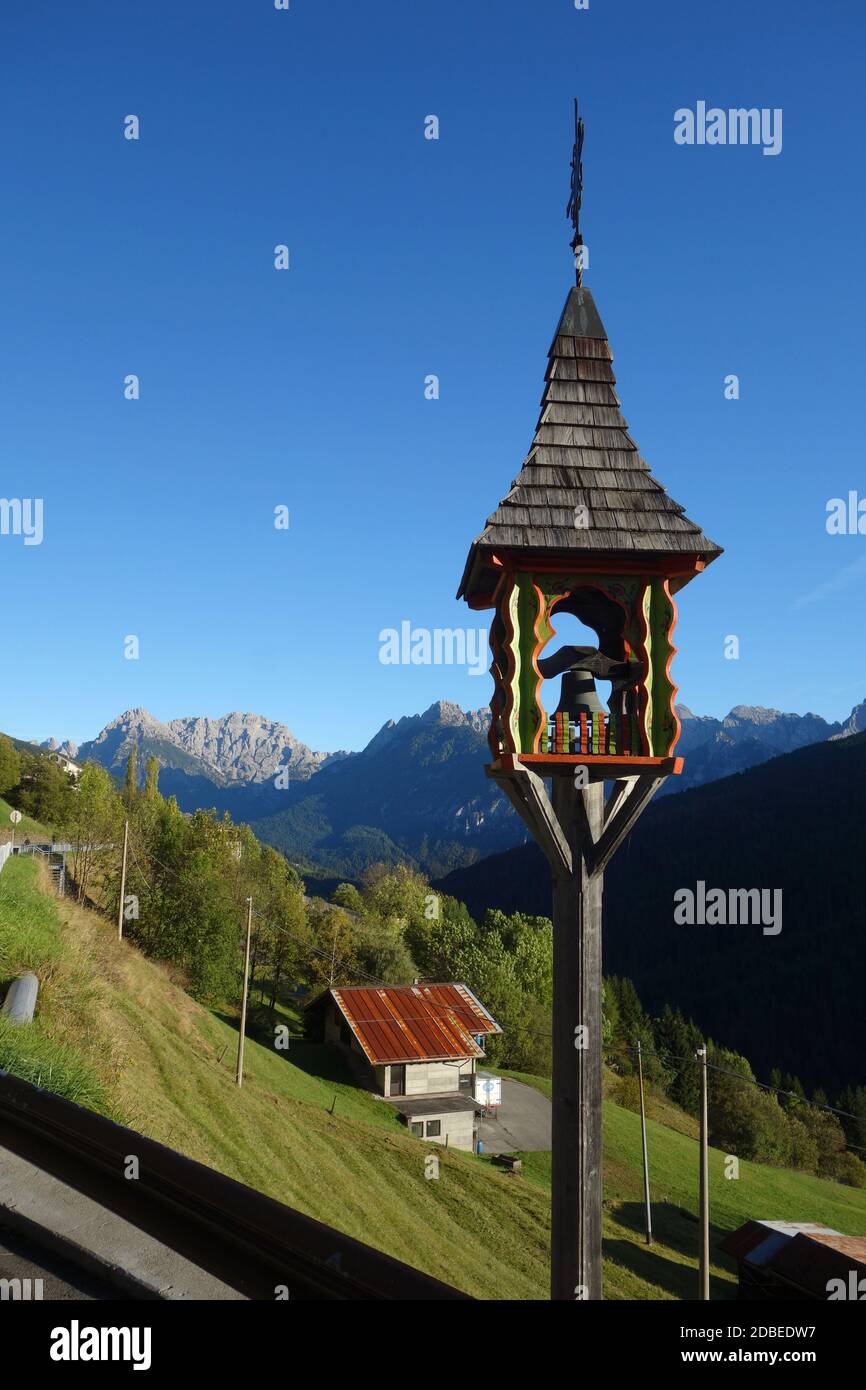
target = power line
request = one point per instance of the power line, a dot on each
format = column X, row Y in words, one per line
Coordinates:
column 764, row 1086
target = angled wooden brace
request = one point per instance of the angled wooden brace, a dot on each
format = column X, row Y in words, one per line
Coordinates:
column 625, row 813
column 527, row 793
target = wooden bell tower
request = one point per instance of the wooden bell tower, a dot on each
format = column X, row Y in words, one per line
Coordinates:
column 586, row 530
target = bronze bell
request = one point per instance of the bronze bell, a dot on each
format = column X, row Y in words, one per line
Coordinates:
column 578, row 667
column 578, row 694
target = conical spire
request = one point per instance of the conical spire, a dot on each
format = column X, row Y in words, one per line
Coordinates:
column 584, row 488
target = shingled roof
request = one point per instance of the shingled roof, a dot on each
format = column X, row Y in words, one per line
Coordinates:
column 583, row 456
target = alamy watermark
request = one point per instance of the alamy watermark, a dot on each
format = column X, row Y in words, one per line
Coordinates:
column 729, row 907
column 846, row 516
column 737, row 126
column 438, row 646
column 22, row 516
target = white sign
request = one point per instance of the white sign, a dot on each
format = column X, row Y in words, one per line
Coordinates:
column 488, row 1089
column 15, row 817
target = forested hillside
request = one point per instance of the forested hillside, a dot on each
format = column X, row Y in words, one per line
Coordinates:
column 797, row 823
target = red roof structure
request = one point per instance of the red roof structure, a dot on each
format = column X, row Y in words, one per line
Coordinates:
column 413, row 1023
column 789, row 1259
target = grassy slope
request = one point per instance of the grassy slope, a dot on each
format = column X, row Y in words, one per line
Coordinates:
column 166, row 1066
column 26, row 829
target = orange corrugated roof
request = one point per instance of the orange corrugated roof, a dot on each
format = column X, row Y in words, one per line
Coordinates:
column 414, row 1023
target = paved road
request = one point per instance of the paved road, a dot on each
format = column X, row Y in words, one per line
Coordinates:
column 523, row 1122
column 20, row 1259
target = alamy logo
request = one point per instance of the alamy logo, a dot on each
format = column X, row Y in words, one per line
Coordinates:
column 854, row 1290
column 77, row 1343
column 736, row 126
column 439, row 646
column 732, row 907
column 21, row 1290
column 22, row 516
column 846, row 516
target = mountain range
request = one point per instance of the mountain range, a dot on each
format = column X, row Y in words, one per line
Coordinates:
column 416, row 793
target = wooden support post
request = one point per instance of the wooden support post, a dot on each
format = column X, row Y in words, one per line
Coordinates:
column 576, row 1216
column 579, row 836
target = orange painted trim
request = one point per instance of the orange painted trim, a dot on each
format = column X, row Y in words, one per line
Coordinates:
column 619, row 765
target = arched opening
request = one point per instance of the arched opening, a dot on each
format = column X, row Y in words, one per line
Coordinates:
column 589, row 685
column 570, row 635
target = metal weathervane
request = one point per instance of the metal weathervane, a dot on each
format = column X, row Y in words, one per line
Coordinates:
column 574, row 202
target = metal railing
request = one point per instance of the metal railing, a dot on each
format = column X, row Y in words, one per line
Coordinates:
column 248, row 1240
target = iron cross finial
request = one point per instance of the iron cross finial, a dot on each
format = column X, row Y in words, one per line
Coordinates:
column 574, row 202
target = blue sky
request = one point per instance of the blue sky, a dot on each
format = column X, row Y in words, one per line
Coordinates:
column 306, row 388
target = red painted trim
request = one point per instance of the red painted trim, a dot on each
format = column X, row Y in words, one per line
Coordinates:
column 618, row 765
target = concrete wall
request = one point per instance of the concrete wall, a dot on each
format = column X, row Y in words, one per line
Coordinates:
column 456, row 1127
column 335, row 1024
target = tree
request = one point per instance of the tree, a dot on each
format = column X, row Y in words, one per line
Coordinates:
column 828, row 1135
column 396, row 897
column 333, row 959
column 439, row 943
column 151, row 779
column 92, row 823
column 677, row 1039
column 383, row 955
column 46, row 791
column 10, row 765
column 848, row 1168
column 130, row 784
column 529, row 940
column 743, row 1119
column 347, row 895
column 804, row 1150
column 794, row 1095
column 853, row 1101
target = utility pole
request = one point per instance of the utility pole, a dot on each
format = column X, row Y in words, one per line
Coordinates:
column 241, row 1035
column 122, row 881
column 646, row 1186
column 704, row 1265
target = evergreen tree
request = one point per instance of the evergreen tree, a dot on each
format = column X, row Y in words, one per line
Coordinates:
column 853, row 1101
column 795, row 1096
column 677, row 1039
column 130, row 785
column 151, row 782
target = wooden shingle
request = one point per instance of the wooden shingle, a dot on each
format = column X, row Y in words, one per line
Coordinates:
column 582, row 455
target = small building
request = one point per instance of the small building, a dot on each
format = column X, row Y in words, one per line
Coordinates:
column 797, row 1260
column 66, row 764
column 417, row 1046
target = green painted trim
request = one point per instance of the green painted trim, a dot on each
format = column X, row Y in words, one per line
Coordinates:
column 529, row 715
column 663, row 688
